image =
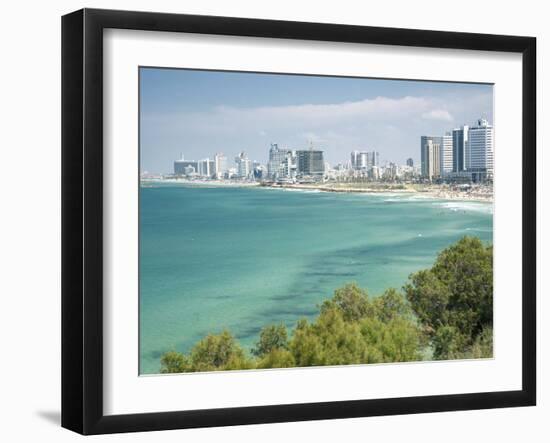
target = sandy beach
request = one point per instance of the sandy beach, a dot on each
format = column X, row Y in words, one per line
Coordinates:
column 444, row 192
column 201, row 183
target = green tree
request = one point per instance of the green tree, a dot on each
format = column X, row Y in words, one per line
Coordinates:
column 172, row 362
column 271, row 337
column 429, row 298
column 483, row 344
column 385, row 334
column 218, row 352
column 277, row 358
column 449, row 343
column 330, row 340
column 396, row 340
column 350, row 300
column 454, row 299
column 391, row 305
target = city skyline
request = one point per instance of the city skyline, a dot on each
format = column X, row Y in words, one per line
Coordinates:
column 465, row 153
column 204, row 112
column 456, row 155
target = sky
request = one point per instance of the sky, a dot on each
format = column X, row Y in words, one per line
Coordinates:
column 198, row 113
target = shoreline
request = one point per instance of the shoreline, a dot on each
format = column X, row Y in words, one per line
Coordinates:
column 440, row 194
column 430, row 192
column 202, row 183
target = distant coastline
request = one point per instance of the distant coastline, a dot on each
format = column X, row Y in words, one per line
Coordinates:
column 443, row 192
column 200, row 183
column 476, row 193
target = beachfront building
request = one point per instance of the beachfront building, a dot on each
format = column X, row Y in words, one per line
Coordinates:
column 310, row 162
column 359, row 160
column 244, row 166
column 374, row 173
column 182, row 165
column 259, row 172
column 446, row 155
column 406, row 172
column 392, row 172
column 430, row 151
column 189, row 170
column 282, row 163
column 220, row 165
column 460, row 149
column 373, row 159
column 481, row 151
column 363, row 160
column 205, row 167
column 287, row 168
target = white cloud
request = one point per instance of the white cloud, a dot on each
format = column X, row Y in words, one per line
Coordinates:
column 438, row 114
column 379, row 107
column 263, row 120
column 391, row 125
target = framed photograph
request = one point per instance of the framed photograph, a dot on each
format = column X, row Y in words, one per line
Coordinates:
column 269, row 221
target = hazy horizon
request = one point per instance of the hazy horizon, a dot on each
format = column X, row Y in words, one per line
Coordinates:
column 198, row 113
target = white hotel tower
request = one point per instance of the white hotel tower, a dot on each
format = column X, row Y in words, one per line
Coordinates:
column 220, row 164
column 480, row 150
column 446, row 156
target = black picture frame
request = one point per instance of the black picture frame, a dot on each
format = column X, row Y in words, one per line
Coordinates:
column 82, row 218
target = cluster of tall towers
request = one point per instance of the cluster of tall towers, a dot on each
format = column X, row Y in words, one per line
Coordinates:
column 364, row 159
column 287, row 163
column 465, row 153
column 217, row 168
column 283, row 164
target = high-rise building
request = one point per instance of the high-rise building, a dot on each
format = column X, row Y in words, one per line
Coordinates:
column 205, row 167
column 364, row 159
column 310, row 162
column 373, row 159
column 243, row 165
column 220, row 164
column 181, row 165
column 446, row 155
column 359, row 159
column 430, row 151
column 410, row 162
column 460, row 148
column 288, row 165
column 282, row 162
column 481, row 150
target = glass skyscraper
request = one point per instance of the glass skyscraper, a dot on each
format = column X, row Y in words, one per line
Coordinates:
column 460, row 141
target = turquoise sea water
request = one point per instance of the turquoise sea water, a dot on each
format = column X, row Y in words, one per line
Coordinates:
column 241, row 258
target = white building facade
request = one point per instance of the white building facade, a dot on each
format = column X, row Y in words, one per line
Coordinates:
column 282, row 162
column 364, row 159
column 446, row 155
column 481, row 150
column 243, row 165
column 205, row 167
column 430, row 152
column 220, row 164
column 359, row 160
